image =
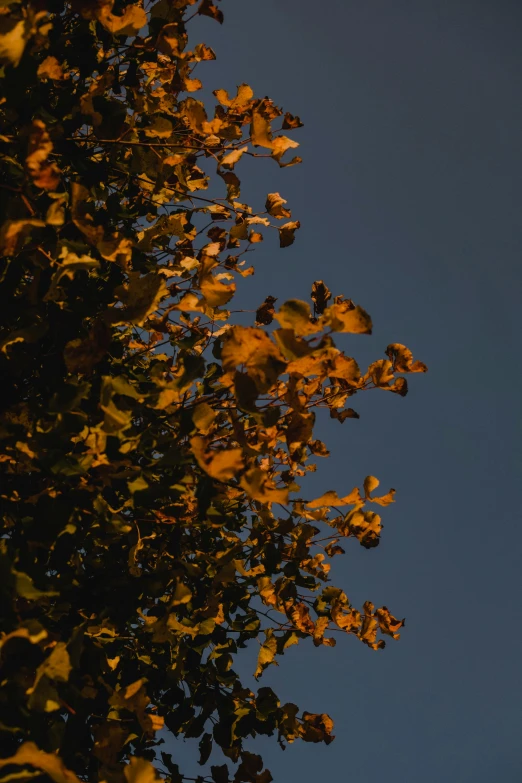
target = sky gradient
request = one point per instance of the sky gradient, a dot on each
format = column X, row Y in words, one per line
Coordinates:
column 410, row 203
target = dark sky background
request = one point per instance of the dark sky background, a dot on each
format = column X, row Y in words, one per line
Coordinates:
column 410, row 203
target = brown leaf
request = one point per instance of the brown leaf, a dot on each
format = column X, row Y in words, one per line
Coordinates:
column 274, row 206
column 50, row 68
column 207, row 8
column 317, row 728
column 83, row 354
column 265, row 312
column 140, row 296
column 321, row 295
column 388, row 623
column 402, row 359
column 290, row 121
column 368, row 632
column 287, row 232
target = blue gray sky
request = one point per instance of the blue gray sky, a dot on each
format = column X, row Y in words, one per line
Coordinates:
column 410, row 203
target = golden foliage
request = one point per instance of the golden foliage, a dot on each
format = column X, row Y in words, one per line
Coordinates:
column 154, row 449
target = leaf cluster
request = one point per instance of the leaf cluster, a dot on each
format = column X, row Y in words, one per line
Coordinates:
column 151, row 450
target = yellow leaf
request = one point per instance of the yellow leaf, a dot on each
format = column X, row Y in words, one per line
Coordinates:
column 384, row 500
column 280, row 145
column 140, row 771
column 402, row 359
column 295, row 314
column 30, row 755
column 266, row 653
column 380, row 372
column 331, row 498
column 242, row 99
column 203, row 416
column 182, row 595
column 215, row 292
column 347, row 317
column 370, row 483
column 50, row 68
column 230, row 160
column 258, row 486
column 222, row 465
column 346, row 368
column 13, row 38
column 260, row 131
column 253, row 348
column 130, row 23
column 13, row 233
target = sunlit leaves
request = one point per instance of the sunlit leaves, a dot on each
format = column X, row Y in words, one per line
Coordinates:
column 221, row 464
column 29, row 755
column 156, row 516
column 253, row 349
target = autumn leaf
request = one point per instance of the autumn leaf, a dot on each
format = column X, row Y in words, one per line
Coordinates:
column 260, row 130
column 275, row 206
column 242, row 99
column 28, row 754
column 140, row 297
column 207, row 8
column 13, row 39
column 254, row 349
column 130, row 23
column 266, row 654
column 44, row 173
column 222, row 465
column 347, row 317
column 50, row 68
column 265, row 312
column 331, row 498
column 402, row 359
column 215, row 292
column 296, row 315
column 140, row 770
column 287, row 233
column 260, row 487
column 321, row 295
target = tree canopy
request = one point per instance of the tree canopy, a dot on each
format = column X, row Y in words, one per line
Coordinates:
column 152, row 446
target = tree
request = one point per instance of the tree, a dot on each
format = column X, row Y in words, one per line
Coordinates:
column 151, row 448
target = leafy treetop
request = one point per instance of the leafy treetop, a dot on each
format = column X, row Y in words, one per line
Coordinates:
column 151, row 449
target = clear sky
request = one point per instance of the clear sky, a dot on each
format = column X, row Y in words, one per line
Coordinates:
column 410, row 204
